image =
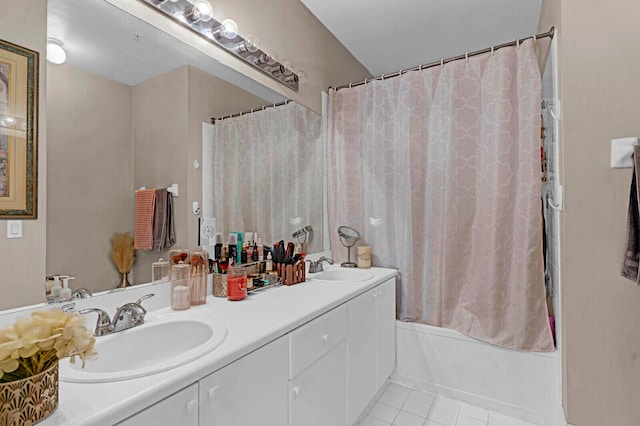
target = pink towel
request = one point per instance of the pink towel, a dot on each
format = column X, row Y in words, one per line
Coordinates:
column 145, row 204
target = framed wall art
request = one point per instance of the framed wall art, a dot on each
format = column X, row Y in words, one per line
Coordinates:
column 18, row 131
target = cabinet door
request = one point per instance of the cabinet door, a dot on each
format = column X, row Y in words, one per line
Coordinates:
column 181, row 408
column 386, row 331
column 318, row 394
column 361, row 353
column 250, row 391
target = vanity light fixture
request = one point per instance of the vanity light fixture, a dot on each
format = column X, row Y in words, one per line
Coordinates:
column 55, row 52
column 197, row 15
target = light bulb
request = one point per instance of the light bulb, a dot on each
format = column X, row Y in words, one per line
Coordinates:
column 288, row 68
column 251, row 43
column 229, row 29
column 205, row 9
column 55, row 52
column 302, row 77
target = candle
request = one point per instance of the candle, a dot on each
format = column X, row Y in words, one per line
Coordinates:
column 364, row 257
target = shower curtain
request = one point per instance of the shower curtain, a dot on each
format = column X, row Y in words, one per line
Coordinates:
column 439, row 169
column 269, row 161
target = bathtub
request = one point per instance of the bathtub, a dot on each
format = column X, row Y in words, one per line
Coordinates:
column 525, row 385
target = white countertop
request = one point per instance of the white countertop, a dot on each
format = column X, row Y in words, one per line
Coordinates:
column 251, row 323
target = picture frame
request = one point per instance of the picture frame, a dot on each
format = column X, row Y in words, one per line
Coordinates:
column 18, row 131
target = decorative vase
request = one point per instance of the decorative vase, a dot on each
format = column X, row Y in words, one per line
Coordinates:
column 26, row 402
column 124, row 282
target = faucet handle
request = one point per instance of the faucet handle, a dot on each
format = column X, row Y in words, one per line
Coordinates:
column 146, row 296
column 104, row 322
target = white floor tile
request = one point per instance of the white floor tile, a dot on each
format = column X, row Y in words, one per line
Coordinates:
column 469, row 421
column 497, row 419
column 416, row 407
column 402, row 390
column 372, row 421
column 425, row 397
column 408, row 419
column 384, row 412
column 392, row 399
column 446, row 403
column 442, row 416
column 474, row 412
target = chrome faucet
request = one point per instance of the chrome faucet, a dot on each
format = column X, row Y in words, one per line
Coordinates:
column 81, row 293
column 127, row 316
column 316, row 266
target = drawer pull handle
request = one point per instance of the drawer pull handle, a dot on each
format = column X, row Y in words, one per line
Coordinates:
column 212, row 391
column 325, row 338
column 191, row 406
column 296, row 390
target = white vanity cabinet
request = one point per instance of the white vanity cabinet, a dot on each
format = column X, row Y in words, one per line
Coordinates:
column 371, row 345
column 317, row 387
column 249, row 391
column 181, row 408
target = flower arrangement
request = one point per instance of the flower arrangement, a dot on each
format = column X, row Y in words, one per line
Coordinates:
column 34, row 344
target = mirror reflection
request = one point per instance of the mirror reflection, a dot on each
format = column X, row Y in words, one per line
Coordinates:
column 126, row 111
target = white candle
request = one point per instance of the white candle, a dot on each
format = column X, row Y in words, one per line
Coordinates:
column 364, row 257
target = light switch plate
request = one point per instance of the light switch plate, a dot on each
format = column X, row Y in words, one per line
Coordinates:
column 14, row 229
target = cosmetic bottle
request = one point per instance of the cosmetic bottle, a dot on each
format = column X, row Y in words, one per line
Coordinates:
column 269, row 266
column 233, row 241
column 239, row 244
column 260, row 250
column 217, row 249
column 243, row 254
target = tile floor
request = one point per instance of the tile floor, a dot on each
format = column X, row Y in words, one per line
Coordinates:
column 399, row 405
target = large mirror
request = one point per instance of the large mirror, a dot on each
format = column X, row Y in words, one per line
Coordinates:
column 126, row 111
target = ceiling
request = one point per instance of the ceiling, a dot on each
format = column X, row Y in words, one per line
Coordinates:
column 387, row 36
column 384, row 36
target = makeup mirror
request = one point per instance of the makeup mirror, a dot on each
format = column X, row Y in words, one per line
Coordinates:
column 348, row 237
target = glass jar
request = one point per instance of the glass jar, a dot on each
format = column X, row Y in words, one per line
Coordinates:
column 160, row 271
column 180, row 292
column 199, row 261
column 236, row 283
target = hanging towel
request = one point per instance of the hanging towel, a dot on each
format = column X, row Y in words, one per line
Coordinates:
column 145, row 203
column 632, row 254
column 163, row 231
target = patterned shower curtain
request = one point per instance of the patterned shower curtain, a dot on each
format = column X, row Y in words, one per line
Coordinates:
column 269, row 163
column 439, row 170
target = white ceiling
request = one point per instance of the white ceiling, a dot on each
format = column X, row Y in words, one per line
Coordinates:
column 386, row 36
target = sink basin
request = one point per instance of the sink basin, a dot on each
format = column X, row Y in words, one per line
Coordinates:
column 147, row 349
column 342, row 275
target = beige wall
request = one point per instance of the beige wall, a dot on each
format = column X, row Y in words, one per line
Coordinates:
column 89, row 174
column 168, row 115
column 599, row 77
column 23, row 260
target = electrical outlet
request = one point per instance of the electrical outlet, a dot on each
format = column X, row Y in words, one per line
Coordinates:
column 207, row 230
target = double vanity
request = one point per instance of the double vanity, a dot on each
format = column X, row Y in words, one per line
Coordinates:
column 315, row 353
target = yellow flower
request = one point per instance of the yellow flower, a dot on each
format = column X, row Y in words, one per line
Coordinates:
column 47, row 334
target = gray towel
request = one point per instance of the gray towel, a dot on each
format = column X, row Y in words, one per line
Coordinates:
column 632, row 254
column 163, row 230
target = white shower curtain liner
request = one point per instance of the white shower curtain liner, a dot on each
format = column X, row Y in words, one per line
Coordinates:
column 440, row 171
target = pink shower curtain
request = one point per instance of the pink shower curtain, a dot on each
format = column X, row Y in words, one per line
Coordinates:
column 439, row 170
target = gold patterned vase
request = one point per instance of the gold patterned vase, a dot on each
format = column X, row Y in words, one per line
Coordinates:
column 25, row 402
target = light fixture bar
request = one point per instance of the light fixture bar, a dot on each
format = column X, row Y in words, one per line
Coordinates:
column 224, row 35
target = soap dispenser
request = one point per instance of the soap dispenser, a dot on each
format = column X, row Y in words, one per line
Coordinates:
column 65, row 292
column 56, row 288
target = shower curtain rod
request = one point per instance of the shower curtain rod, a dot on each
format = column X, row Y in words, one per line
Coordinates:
column 238, row 114
column 444, row 61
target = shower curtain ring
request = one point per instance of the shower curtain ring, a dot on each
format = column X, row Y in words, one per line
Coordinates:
column 492, row 50
column 535, row 39
column 442, row 63
column 466, row 57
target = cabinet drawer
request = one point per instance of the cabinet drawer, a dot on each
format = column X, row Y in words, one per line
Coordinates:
column 313, row 340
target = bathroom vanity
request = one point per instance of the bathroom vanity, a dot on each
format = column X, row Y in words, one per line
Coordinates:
column 315, row 353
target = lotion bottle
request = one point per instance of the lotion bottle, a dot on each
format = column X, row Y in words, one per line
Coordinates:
column 55, row 290
column 65, row 292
